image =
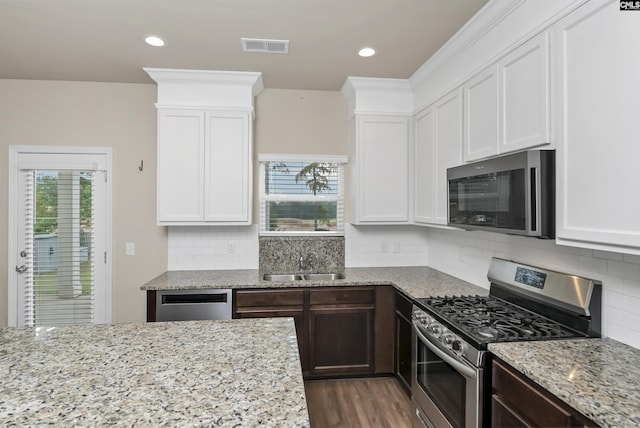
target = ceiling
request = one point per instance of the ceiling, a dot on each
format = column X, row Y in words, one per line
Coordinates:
column 102, row 40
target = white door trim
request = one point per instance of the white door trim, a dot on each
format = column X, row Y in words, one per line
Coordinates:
column 14, row 152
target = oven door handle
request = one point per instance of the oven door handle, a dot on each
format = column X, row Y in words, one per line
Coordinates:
column 463, row 369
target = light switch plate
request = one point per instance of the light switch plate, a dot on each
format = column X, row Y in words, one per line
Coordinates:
column 130, row 249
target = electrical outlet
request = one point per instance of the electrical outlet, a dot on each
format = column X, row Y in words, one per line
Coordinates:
column 384, row 246
column 396, row 247
column 130, row 249
column 231, row 247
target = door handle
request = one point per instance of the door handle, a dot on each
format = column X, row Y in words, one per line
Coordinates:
column 21, row 269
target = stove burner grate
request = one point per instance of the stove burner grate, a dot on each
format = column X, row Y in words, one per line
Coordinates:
column 489, row 319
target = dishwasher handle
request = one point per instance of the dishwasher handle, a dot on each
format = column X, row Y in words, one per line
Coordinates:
column 194, row 298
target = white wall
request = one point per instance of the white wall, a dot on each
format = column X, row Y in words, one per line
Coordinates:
column 466, row 255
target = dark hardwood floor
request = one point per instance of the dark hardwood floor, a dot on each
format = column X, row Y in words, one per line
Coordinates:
column 358, row 403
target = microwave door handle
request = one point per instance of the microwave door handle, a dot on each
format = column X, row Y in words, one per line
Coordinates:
column 534, row 200
column 463, row 369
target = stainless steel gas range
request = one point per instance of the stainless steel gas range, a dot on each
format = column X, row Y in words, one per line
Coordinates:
column 451, row 334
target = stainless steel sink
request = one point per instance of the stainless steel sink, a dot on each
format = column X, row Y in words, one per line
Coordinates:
column 323, row 276
column 282, row 277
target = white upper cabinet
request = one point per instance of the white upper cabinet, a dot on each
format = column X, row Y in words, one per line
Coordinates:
column 379, row 170
column 180, row 165
column 448, row 148
column 481, row 113
column 228, row 167
column 424, row 166
column 379, row 142
column 205, row 146
column 438, row 146
column 598, row 98
column 507, row 105
column 525, row 96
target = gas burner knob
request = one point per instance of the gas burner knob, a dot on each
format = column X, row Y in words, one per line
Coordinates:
column 448, row 339
column 435, row 329
column 458, row 346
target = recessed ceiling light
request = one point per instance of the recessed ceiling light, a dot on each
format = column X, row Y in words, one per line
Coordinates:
column 154, row 41
column 366, row 52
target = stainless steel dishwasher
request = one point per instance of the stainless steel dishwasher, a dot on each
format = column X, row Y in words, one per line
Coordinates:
column 189, row 305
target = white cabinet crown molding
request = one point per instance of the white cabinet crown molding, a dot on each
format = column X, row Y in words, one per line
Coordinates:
column 481, row 23
column 206, row 89
column 173, row 75
column 378, row 96
column 497, row 29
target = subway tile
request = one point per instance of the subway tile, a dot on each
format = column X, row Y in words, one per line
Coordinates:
column 593, row 264
column 607, row 255
column 624, row 334
column 624, row 270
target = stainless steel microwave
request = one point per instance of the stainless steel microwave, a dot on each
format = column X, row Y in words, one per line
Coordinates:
column 512, row 194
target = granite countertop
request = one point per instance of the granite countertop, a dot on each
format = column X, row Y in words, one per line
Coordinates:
column 189, row 373
column 415, row 282
column 600, row 378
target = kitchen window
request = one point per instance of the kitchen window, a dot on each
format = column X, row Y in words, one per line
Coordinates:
column 301, row 195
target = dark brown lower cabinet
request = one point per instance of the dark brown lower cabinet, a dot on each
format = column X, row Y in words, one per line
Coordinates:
column 342, row 331
column 518, row 402
column 341, row 322
column 403, row 308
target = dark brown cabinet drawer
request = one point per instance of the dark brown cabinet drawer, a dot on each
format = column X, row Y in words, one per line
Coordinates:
column 342, row 296
column 503, row 416
column 517, row 401
column 262, row 298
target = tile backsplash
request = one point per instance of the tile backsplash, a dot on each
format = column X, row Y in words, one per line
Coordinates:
column 296, row 254
column 209, row 247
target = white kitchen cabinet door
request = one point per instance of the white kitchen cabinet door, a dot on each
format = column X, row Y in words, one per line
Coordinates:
column 598, row 98
column 524, row 96
column 380, row 172
column 228, row 168
column 481, row 114
column 180, row 166
column 438, row 146
column 424, row 166
column 204, row 167
column 448, row 148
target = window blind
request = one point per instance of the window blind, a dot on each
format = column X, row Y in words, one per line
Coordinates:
column 60, row 279
column 298, row 197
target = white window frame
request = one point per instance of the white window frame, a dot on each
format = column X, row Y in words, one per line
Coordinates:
column 42, row 152
column 339, row 198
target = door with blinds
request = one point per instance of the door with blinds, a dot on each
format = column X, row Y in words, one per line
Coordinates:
column 60, row 239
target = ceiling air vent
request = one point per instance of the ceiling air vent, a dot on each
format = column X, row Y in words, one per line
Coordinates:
column 265, row 45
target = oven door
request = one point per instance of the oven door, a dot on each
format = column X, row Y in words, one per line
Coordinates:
column 445, row 389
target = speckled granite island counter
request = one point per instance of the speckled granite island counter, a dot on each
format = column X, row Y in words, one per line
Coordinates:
column 415, row 282
column 600, row 378
column 188, row 374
